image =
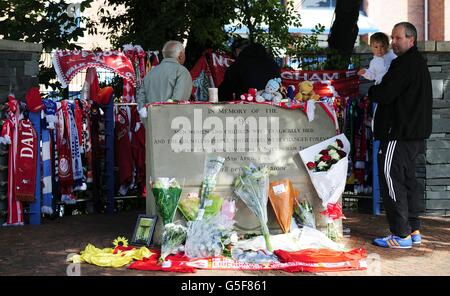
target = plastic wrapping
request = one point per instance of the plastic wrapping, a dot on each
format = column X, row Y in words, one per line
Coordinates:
column 304, row 213
column 173, row 238
column 229, row 208
column 167, row 192
column 257, row 257
column 189, row 206
column 329, row 184
column 213, row 165
column 209, row 236
column 253, row 187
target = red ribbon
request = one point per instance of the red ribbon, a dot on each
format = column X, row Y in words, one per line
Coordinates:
column 334, row 211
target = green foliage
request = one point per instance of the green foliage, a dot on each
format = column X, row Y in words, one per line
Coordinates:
column 49, row 23
column 151, row 23
column 268, row 22
column 305, row 49
column 147, row 23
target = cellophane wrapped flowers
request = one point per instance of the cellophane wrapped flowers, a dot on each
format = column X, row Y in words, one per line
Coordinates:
column 173, row 238
column 304, row 213
column 167, row 192
column 327, row 157
column 213, row 165
column 327, row 165
column 253, row 188
column 209, row 237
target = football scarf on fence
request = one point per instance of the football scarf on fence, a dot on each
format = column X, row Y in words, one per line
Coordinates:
column 78, row 116
column 47, row 194
column 49, row 113
column 26, row 161
column 123, row 150
column 64, row 153
column 9, row 135
column 77, row 165
column 138, row 147
column 87, row 140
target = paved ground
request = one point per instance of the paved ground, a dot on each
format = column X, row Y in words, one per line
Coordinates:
column 42, row 250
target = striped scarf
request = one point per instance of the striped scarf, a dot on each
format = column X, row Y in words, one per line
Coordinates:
column 77, row 166
column 47, row 207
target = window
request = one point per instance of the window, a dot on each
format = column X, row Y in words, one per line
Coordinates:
column 318, row 3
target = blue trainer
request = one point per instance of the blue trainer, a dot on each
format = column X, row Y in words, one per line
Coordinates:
column 416, row 237
column 394, row 242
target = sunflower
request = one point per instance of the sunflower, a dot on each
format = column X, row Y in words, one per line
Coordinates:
column 120, row 241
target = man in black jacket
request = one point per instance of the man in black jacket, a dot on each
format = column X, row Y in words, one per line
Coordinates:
column 402, row 123
column 253, row 68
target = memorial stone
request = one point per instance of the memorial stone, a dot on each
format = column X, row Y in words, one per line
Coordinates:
column 180, row 137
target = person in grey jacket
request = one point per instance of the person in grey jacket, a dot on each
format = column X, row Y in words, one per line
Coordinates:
column 170, row 80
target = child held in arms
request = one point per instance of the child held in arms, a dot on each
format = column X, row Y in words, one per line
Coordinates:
column 382, row 58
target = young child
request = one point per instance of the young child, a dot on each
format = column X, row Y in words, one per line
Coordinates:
column 382, row 58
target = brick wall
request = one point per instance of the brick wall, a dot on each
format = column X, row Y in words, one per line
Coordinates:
column 416, row 16
column 436, row 19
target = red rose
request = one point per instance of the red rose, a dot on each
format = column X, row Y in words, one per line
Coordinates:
column 342, row 153
column 311, row 165
column 324, row 152
column 325, row 158
column 339, row 143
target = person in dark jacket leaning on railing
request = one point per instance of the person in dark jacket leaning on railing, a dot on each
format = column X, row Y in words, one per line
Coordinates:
column 253, row 68
column 402, row 122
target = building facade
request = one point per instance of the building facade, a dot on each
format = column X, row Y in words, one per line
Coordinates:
column 431, row 17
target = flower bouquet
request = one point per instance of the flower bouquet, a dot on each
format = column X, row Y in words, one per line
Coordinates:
column 189, row 205
column 167, row 194
column 327, row 165
column 253, row 188
column 281, row 196
column 304, row 214
column 173, row 238
column 213, row 165
column 209, row 237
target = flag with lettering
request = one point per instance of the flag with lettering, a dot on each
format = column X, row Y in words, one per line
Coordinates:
column 326, row 83
column 26, row 159
column 209, row 71
column 68, row 63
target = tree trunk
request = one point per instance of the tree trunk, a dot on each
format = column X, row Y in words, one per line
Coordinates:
column 343, row 33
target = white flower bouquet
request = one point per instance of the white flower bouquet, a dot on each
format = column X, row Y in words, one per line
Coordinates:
column 253, row 188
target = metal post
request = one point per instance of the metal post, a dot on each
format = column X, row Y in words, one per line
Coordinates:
column 375, row 185
column 35, row 207
column 109, row 150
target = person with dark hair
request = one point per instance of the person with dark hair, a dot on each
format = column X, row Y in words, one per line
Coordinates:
column 238, row 45
column 382, row 58
column 402, row 122
column 253, row 68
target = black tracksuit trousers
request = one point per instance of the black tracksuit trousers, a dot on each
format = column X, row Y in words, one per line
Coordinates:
column 398, row 184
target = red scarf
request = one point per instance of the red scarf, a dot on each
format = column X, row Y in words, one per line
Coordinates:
column 78, row 115
column 64, row 151
column 138, row 148
column 323, row 260
column 26, row 159
column 87, row 141
column 123, row 147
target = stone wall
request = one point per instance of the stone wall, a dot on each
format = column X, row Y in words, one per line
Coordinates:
column 437, row 181
column 433, row 166
column 19, row 67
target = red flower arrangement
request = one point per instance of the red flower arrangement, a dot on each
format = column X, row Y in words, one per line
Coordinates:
column 327, row 157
